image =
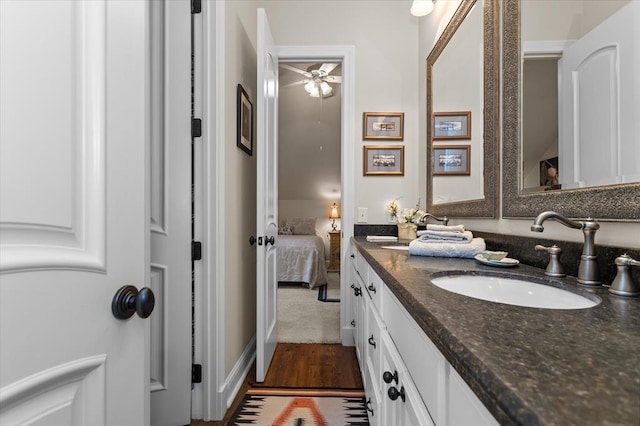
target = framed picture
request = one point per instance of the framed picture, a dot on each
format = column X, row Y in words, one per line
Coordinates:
column 383, row 160
column 451, row 125
column 383, row 126
column 245, row 122
column 451, row 160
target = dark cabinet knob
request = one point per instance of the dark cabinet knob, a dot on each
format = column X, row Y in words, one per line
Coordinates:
column 372, row 288
column 388, row 377
column 353, row 256
column 252, row 240
column 372, row 341
column 394, row 393
column 353, row 323
column 128, row 301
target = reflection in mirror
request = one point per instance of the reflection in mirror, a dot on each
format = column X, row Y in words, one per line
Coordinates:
column 579, row 58
column 570, row 51
column 462, row 94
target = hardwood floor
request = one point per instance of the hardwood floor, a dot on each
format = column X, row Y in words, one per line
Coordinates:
column 300, row 365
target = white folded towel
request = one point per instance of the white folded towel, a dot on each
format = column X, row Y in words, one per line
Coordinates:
column 383, row 238
column 446, row 248
column 452, row 228
column 446, row 236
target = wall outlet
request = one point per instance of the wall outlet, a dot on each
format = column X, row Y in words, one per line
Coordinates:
column 362, row 214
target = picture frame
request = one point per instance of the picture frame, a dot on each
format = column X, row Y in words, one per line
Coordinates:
column 451, row 125
column 244, row 121
column 451, row 160
column 383, row 126
column 383, row 160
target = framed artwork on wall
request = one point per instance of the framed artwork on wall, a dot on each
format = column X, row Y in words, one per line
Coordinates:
column 451, row 125
column 245, row 122
column 451, row 160
column 383, row 160
column 383, row 126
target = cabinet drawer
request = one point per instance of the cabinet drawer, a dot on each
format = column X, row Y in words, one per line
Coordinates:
column 373, row 342
column 425, row 364
column 362, row 266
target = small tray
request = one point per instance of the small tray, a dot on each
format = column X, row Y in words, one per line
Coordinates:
column 506, row 262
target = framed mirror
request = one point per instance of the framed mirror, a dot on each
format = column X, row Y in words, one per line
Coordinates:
column 463, row 92
column 598, row 141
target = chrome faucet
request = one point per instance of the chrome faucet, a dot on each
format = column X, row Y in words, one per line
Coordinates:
column 443, row 219
column 588, row 272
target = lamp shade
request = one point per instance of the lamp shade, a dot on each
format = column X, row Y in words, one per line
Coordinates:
column 421, row 7
column 334, row 211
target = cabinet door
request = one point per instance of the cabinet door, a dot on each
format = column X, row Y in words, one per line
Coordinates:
column 464, row 406
column 401, row 403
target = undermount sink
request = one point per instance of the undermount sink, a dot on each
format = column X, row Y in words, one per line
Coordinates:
column 510, row 291
column 398, row 247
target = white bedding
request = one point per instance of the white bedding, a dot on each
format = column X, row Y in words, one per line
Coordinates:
column 301, row 259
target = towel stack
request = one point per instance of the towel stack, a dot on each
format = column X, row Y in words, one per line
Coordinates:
column 446, row 241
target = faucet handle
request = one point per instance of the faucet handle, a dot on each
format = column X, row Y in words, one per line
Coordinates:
column 623, row 284
column 554, row 268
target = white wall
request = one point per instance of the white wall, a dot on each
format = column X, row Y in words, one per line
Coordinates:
column 240, row 185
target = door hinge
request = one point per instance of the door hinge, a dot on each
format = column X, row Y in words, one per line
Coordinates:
column 196, row 250
column 196, row 127
column 196, row 373
column 196, row 6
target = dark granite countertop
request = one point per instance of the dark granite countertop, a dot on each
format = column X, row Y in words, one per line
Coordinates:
column 527, row 365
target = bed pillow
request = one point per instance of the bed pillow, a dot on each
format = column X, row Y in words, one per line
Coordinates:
column 302, row 226
column 285, row 230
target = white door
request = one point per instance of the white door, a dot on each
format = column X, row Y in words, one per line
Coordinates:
column 267, row 205
column 598, row 142
column 73, row 218
column 170, row 210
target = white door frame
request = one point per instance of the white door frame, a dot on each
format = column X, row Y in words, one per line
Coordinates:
column 345, row 55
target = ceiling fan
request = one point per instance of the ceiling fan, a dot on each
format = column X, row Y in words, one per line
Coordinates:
column 317, row 79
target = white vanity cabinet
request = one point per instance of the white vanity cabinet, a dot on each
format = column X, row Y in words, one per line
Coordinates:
column 407, row 381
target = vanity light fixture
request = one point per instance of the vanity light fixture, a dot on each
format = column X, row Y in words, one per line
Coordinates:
column 421, row 7
column 334, row 213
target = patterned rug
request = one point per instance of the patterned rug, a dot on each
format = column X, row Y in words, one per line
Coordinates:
column 301, row 408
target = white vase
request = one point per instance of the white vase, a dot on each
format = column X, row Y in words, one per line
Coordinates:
column 407, row 231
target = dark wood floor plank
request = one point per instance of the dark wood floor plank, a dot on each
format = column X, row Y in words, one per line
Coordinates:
column 303, row 365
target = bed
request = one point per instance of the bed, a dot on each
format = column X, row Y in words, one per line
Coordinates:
column 300, row 259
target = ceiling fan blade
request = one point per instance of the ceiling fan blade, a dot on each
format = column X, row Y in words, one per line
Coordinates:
column 294, row 69
column 297, row 83
column 328, row 67
column 334, row 79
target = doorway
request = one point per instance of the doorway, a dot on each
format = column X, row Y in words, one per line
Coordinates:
column 309, row 185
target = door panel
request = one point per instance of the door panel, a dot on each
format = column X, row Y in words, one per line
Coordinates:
column 267, row 196
column 72, row 211
column 170, row 212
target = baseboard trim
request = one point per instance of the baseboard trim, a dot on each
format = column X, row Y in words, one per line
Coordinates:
column 236, row 377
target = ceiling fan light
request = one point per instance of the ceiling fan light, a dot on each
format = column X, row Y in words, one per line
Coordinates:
column 310, row 86
column 315, row 93
column 421, row 7
column 326, row 89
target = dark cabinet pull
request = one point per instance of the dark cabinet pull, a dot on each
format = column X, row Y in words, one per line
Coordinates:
column 388, row 377
column 369, row 407
column 394, row 393
column 353, row 256
column 372, row 342
column 372, row 288
column 356, row 290
column 353, row 323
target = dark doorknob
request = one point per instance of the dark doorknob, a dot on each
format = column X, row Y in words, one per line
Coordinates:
column 128, row 301
column 270, row 240
column 252, row 240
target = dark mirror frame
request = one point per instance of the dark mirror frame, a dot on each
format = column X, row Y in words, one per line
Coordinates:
column 605, row 203
column 488, row 206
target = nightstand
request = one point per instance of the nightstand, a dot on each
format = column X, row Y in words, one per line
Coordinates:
column 334, row 251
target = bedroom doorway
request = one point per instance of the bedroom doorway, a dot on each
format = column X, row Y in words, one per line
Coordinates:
column 309, row 184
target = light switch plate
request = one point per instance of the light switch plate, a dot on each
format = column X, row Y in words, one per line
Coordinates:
column 362, row 214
